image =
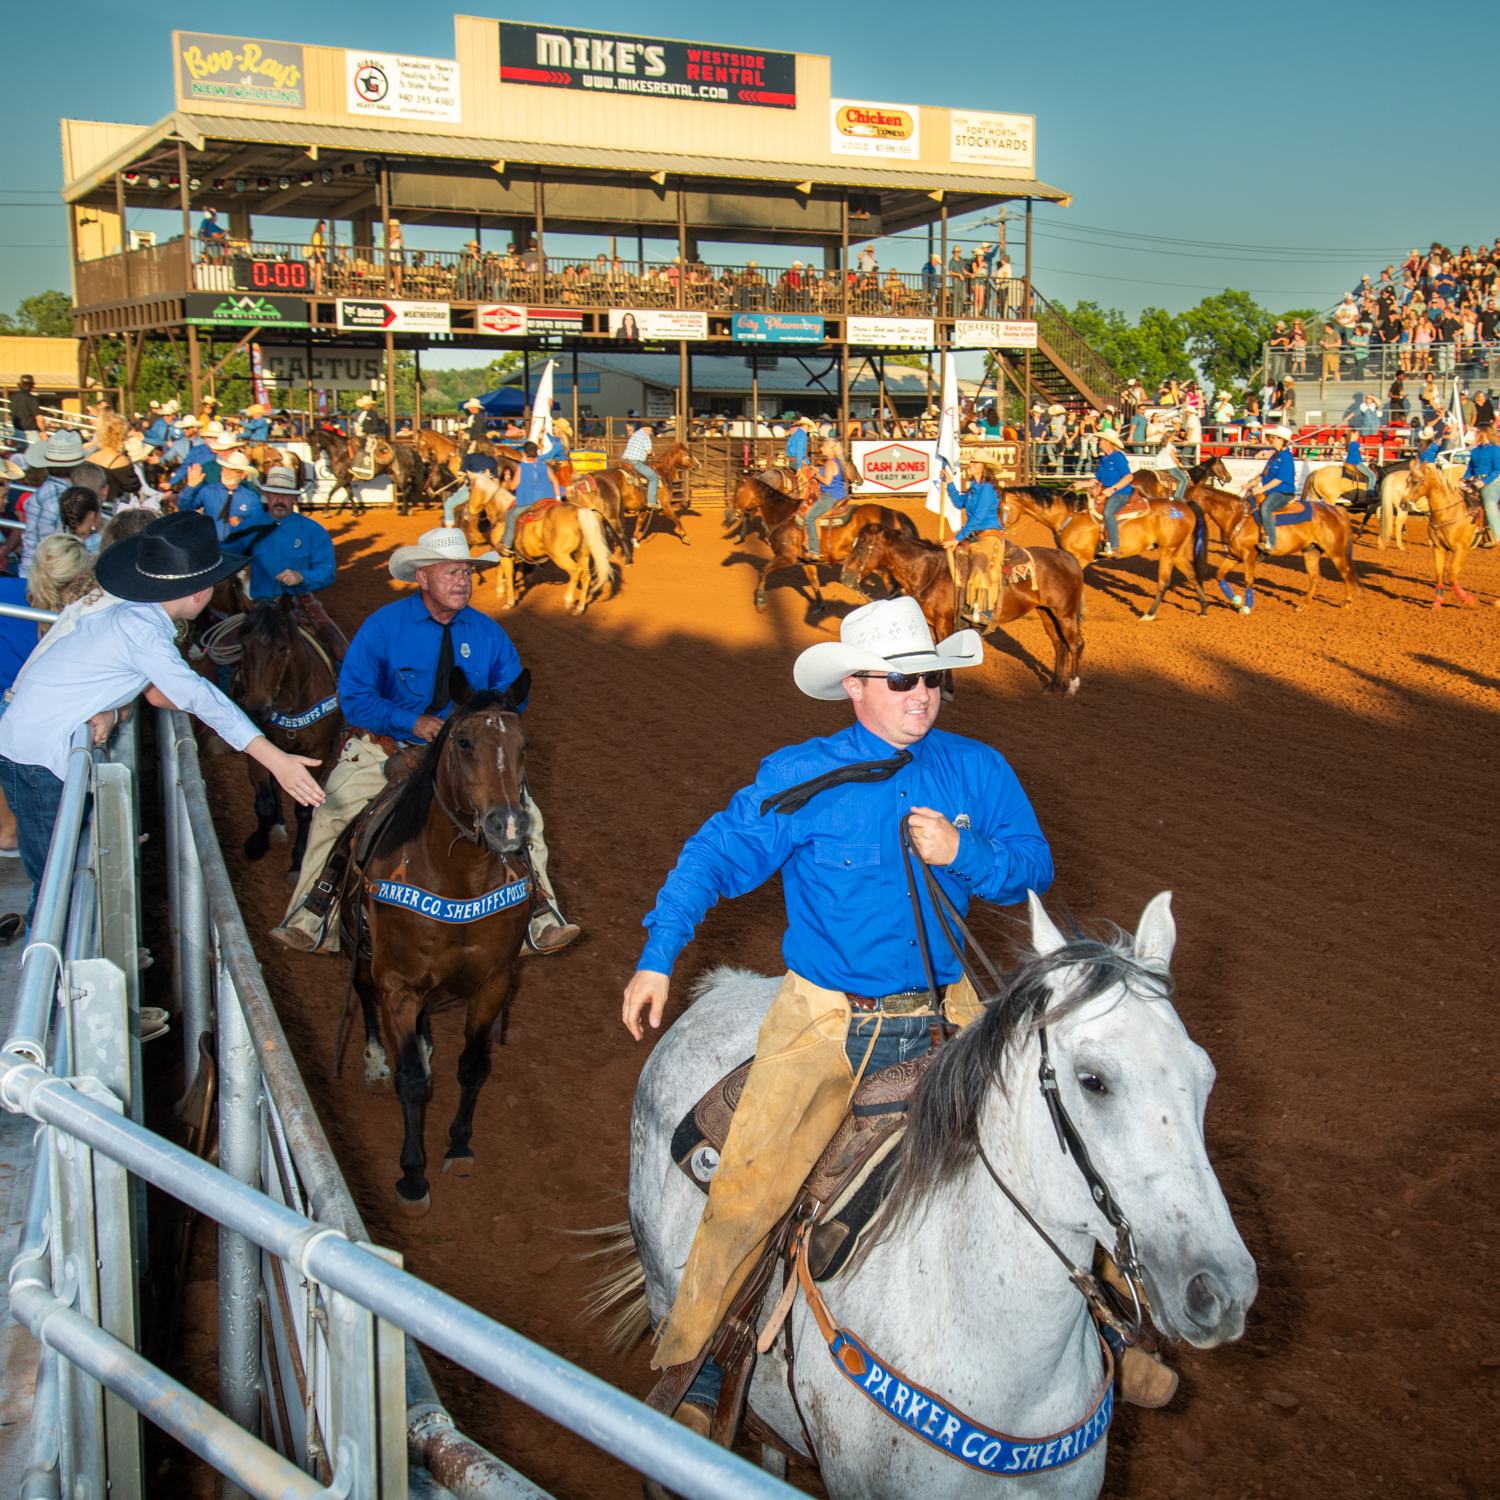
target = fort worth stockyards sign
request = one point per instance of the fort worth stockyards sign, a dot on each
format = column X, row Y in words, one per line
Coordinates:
column 648, row 66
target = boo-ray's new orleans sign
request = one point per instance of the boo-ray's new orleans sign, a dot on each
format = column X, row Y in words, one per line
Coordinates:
column 232, row 68
column 649, row 66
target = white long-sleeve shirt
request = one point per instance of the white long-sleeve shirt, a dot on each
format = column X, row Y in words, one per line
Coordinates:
column 108, row 658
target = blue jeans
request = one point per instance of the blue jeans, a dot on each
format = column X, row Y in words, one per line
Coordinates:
column 1112, row 507
column 33, row 794
column 1182, row 481
column 451, row 504
column 1489, row 497
column 1369, row 476
column 820, row 508
column 512, row 520
column 1267, row 506
column 652, row 479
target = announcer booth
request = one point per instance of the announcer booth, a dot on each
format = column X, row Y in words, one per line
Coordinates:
column 529, row 133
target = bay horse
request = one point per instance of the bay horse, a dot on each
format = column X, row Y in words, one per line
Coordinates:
column 1454, row 524
column 1178, row 532
column 1328, row 531
column 920, row 569
column 399, row 460
column 774, row 511
column 286, row 681
column 619, row 495
column 1002, row 1335
column 265, row 458
column 439, row 914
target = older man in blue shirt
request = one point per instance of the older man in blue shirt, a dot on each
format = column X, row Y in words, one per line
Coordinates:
column 232, row 503
column 291, row 553
column 827, row 816
column 394, row 691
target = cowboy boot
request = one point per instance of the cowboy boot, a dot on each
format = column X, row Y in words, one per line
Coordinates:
column 696, row 1419
column 1145, row 1380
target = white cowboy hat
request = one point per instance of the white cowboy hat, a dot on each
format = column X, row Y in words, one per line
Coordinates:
column 189, row 421
column 9, row 470
column 1056, row 411
column 365, row 401
column 889, row 635
column 238, row 463
column 442, row 544
column 170, row 408
column 224, row 442
column 1109, row 435
column 1284, row 433
column 280, row 480
column 472, row 404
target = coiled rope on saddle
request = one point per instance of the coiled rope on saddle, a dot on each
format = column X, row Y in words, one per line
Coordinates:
column 224, row 656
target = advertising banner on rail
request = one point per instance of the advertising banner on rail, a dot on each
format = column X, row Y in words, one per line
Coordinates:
column 650, row 67
column 568, row 320
column 894, row 466
column 246, row 309
column 502, row 318
column 914, row 333
column 994, row 140
column 630, row 325
column 993, row 333
column 232, row 69
column 323, row 369
column 392, row 316
column 402, row 88
column 778, row 328
column 859, row 128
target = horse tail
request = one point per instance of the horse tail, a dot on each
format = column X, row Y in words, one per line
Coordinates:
column 1307, row 486
column 1202, row 570
column 620, row 1287
column 592, row 527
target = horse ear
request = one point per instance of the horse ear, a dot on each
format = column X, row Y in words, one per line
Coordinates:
column 285, row 603
column 458, row 687
column 520, row 690
column 1157, row 935
column 1045, row 937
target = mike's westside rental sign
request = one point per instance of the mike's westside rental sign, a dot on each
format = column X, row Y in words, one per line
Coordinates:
column 650, row 67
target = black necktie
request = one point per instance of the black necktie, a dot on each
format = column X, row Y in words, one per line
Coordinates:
column 794, row 798
column 441, row 697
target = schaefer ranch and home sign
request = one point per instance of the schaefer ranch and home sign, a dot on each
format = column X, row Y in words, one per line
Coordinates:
column 393, row 317
column 652, row 67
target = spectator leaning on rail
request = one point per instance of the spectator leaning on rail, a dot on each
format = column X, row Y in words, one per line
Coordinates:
column 106, row 651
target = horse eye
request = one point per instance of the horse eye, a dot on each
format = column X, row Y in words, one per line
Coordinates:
column 463, row 744
column 1093, row 1083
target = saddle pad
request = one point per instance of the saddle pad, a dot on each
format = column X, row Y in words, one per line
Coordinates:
column 539, row 508
column 1133, row 508
column 1297, row 512
column 849, row 1179
column 586, row 484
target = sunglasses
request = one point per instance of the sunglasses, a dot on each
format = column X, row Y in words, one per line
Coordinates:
column 903, row 682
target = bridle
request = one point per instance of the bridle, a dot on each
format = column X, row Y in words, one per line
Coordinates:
column 956, row 933
column 471, row 831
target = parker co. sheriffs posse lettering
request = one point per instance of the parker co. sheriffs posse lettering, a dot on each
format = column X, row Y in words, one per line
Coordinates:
column 651, row 66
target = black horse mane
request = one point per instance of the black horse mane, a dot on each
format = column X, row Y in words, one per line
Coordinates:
column 408, row 816
column 942, row 1132
column 265, row 621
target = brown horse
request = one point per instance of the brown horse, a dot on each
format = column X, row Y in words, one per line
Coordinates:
column 1054, row 589
column 400, row 460
column 1328, row 531
column 286, row 680
column 619, row 495
column 756, row 503
column 265, row 458
column 1178, row 532
column 1453, row 526
column 440, row 913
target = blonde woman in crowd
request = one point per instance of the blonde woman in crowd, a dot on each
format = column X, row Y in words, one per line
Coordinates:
column 61, row 572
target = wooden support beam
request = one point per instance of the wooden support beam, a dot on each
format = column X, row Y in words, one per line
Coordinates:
column 217, row 369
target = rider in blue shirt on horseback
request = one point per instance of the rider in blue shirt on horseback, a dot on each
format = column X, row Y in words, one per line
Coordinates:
column 796, row 444
column 1114, row 478
column 832, row 488
column 534, row 482
column 1484, row 471
column 1277, row 484
column 980, row 504
column 1354, row 458
column 637, row 456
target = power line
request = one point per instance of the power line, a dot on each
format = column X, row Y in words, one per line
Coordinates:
column 1183, row 285
column 1212, row 244
column 1255, row 260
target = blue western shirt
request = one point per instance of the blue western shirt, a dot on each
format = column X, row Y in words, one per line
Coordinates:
column 478, row 463
column 1113, row 467
column 1281, row 471
column 256, row 429
column 849, row 922
column 534, row 482
column 1429, row 454
column 981, row 507
column 553, row 452
column 244, row 509
column 43, row 517
column 796, row 447
column 387, row 678
column 158, row 434
column 199, row 453
column 1484, row 463
column 1355, row 455
column 299, row 543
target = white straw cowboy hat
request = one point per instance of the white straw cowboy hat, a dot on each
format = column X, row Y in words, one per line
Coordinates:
column 889, row 635
column 280, row 480
column 443, row 544
column 239, row 463
column 1284, row 433
column 365, row 401
column 224, row 442
column 188, row 421
column 62, row 450
column 473, row 404
column 9, row 470
column 1109, row 435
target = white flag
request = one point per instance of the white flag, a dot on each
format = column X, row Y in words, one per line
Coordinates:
column 541, row 408
column 945, row 460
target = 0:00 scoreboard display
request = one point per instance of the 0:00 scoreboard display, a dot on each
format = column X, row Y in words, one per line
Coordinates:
column 270, row 275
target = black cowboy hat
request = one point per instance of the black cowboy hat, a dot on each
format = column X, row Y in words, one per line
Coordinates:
column 174, row 556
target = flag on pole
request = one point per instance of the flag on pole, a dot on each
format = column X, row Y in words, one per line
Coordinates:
column 541, row 408
column 945, row 460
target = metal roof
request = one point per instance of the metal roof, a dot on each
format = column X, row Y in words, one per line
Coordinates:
column 198, row 129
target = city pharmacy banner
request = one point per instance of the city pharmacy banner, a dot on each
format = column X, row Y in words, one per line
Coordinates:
column 778, row 328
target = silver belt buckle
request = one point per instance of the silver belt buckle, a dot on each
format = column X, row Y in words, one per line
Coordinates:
column 902, row 1005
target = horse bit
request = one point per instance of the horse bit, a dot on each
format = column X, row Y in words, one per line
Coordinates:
column 1068, row 1137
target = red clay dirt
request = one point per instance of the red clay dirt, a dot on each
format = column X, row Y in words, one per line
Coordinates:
column 1312, row 787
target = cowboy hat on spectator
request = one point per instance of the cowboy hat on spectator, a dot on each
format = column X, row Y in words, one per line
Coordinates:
column 9, row 470
column 365, row 401
column 173, row 557
column 473, row 404
column 189, row 421
column 443, row 544
column 224, row 442
column 239, row 463
column 63, row 450
column 889, row 635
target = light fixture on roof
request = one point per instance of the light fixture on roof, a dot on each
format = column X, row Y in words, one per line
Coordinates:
column 131, row 178
column 283, row 182
column 326, row 174
column 262, row 184
column 153, row 183
column 219, row 184
column 240, row 184
column 174, row 181
column 305, row 180
column 348, row 169
column 371, row 166
column 194, row 183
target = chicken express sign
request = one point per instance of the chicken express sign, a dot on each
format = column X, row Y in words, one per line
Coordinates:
column 607, row 62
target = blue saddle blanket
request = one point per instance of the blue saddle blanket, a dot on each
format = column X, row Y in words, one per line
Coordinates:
column 1297, row 512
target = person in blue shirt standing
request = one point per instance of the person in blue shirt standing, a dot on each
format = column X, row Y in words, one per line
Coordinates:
column 1116, row 483
column 637, row 456
column 231, row 504
column 213, row 234
column 1483, row 471
column 256, row 427
column 1354, row 458
column 1277, row 484
column 796, row 445
column 534, row 482
column 828, row 816
column 394, row 689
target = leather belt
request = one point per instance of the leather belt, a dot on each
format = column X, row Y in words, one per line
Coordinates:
column 385, row 742
column 906, row 1003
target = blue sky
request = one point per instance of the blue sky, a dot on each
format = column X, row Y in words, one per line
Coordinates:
column 1205, row 148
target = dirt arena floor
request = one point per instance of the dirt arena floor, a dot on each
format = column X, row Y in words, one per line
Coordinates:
column 1318, row 791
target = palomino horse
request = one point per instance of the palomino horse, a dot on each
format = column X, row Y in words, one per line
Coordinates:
column 1326, row 529
column 287, row 683
column 775, row 511
column 998, row 1330
column 440, row 914
column 1054, row 589
column 1454, row 524
column 1178, row 532
column 569, row 535
column 1399, row 499
column 619, row 495
column 400, row 460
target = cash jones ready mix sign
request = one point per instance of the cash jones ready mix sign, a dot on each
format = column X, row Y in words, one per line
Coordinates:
column 648, row 67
